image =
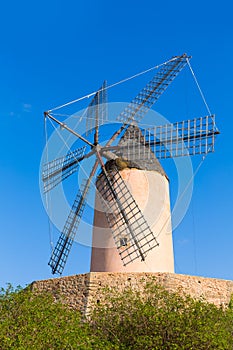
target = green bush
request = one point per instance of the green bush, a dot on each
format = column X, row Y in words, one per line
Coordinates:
column 159, row 320
column 33, row 321
column 162, row 320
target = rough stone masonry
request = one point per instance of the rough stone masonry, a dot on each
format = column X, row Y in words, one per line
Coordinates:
column 84, row 290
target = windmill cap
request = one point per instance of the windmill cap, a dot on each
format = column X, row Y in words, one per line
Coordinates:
column 133, row 152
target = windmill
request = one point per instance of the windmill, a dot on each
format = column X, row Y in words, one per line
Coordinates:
column 124, row 239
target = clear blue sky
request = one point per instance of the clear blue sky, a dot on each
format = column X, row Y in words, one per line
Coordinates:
column 54, row 51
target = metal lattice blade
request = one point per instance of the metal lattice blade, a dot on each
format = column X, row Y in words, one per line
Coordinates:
column 59, row 169
column 66, row 239
column 190, row 137
column 131, row 232
column 96, row 113
column 140, row 105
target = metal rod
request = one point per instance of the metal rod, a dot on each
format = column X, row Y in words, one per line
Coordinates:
column 46, row 114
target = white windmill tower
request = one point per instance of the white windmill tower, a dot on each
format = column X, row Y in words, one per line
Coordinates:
column 132, row 218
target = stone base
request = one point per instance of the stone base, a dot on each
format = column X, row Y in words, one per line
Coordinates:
column 82, row 291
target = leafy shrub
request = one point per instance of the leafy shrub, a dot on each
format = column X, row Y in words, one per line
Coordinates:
column 34, row 321
column 159, row 320
column 162, row 320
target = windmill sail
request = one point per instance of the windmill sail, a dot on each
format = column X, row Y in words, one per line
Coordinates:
column 66, row 239
column 185, row 138
column 96, row 113
column 131, row 232
column 59, row 169
column 189, row 137
column 140, row 105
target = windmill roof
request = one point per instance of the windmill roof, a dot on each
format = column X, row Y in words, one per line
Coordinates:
column 132, row 148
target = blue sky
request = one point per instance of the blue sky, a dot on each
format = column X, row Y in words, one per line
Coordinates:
column 55, row 51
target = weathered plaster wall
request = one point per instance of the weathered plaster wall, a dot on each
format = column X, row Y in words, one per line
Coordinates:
column 150, row 190
column 81, row 291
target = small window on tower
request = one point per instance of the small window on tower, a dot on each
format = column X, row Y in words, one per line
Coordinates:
column 123, row 241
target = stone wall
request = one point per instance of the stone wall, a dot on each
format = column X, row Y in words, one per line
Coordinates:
column 71, row 290
column 82, row 291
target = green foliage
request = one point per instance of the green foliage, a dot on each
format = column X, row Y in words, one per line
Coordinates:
column 33, row 321
column 162, row 320
column 159, row 320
